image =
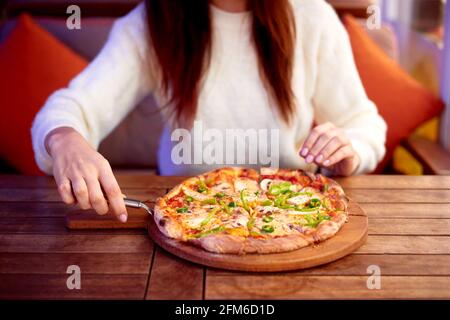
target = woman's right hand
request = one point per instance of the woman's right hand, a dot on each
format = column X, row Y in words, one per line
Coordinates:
column 81, row 173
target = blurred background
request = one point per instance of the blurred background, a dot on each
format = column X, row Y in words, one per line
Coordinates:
column 401, row 49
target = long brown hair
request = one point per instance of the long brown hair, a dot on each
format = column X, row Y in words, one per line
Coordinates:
column 180, row 33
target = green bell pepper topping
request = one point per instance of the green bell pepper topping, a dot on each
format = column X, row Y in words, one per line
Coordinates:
column 280, row 188
column 267, row 228
column 189, row 199
column 280, row 201
column 182, row 210
column 305, row 209
column 287, row 206
column 244, row 202
column 314, row 203
column 250, row 223
column 267, row 219
column 209, row 201
column 202, row 186
column 314, row 222
column 232, row 204
column 309, row 220
column 209, row 232
column 225, row 207
column 211, row 214
column 266, row 203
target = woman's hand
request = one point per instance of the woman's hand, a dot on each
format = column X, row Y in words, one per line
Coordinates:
column 329, row 147
column 81, row 173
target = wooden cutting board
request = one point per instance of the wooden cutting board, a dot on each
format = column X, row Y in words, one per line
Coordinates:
column 351, row 236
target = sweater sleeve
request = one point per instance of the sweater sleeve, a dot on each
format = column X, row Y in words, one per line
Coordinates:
column 100, row 96
column 340, row 97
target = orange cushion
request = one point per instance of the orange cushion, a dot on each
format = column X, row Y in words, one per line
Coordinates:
column 33, row 64
column 401, row 100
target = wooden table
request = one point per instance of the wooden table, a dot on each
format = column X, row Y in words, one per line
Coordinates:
column 409, row 239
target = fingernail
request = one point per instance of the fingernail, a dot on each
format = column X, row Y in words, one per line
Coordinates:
column 123, row 218
column 304, row 152
column 319, row 158
column 326, row 162
column 309, row 159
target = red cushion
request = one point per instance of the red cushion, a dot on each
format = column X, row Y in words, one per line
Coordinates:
column 33, row 64
column 401, row 100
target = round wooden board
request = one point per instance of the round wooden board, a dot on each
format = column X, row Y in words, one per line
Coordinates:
column 351, row 236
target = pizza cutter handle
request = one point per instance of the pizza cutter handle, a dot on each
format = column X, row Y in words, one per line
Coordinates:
column 132, row 203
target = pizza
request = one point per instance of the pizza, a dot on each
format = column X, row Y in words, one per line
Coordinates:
column 239, row 211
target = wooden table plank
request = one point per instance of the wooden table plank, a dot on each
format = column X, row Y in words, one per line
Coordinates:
column 57, row 225
column 358, row 195
column 71, row 243
column 164, row 182
column 399, row 196
column 407, row 210
column 395, row 182
column 35, row 209
column 52, row 195
column 49, row 209
column 149, row 182
column 423, row 227
column 377, row 226
column 406, row 245
column 375, row 210
column 19, row 181
column 125, row 181
column 357, row 264
column 96, row 286
column 89, row 263
column 174, row 279
column 325, row 287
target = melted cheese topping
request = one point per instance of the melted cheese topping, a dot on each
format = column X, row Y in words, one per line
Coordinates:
column 224, row 187
column 245, row 184
column 298, row 200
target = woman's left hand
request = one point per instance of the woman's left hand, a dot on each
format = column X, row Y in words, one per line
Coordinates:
column 328, row 146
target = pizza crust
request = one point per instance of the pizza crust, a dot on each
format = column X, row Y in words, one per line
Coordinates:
column 328, row 229
column 166, row 224
column 223, row 243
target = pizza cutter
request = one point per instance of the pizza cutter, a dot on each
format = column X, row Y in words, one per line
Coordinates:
column 133, row 203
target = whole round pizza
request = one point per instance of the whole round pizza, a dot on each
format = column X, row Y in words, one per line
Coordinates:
column 238, row 210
